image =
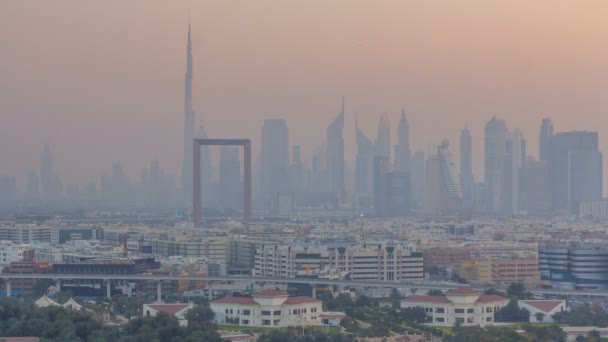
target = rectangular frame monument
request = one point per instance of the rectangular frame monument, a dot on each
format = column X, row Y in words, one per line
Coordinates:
column 197, row 195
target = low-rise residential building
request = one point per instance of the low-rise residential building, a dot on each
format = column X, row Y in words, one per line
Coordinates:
column 463, row 305
column 177, row 310
column 542, row 310
column 268, row 308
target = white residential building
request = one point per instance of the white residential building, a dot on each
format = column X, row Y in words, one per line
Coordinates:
column 268, row 308
column 462, row 305
column 371, row 261
column 9, row 252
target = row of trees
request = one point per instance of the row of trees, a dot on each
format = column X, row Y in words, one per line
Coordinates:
column 19, row 318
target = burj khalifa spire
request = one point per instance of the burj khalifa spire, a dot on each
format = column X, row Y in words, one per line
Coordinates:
column 187, row 166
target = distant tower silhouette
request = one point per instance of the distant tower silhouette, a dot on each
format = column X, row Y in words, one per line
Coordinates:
column 187, row 165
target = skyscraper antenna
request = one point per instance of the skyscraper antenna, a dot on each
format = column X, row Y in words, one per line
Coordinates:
column 342, row 104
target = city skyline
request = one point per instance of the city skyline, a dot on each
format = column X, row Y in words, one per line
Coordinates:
column 132, row 106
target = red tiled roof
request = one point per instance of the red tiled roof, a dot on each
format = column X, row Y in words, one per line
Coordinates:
column 269, row 294
column 300, row 300
column 236, row 300
column 169, row 308
column 491, row 298
column 462, row 291
column 427, row 299
column 544, row 305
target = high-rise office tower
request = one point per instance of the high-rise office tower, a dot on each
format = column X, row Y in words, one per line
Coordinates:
column 535, row 193
column 187, row 166
column 575, row 170
column 335, row 156
column 544, row 143
column 364, row 166
column 296, row 171
column 511, row 168
column 383, row 139
column 495, row 143
column 418, row 180
column 275, row 159
column 402, row 149
column 444, row 198
column 381, row 170
column 467, row 182
column 230, row 182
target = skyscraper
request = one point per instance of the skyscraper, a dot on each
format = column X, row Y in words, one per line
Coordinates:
column 495, row 143
column 275, row 159
column 444, row 198
column 335, row 156
column 187, row 166
column 364, row 167
column 467, row 182
column 575, row 170
column 418, row 180
column 546, row 132
column 383, row 138
column 511, row 168
column 402, row 149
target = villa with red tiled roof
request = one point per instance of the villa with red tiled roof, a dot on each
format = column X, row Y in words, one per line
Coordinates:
column 178, row 310
column 463, row 305
column 268, row 308
column 547, row 308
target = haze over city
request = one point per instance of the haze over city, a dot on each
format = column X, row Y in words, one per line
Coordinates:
column 103, row 81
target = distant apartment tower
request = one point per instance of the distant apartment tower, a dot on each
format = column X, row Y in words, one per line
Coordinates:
column 418, row 180
column 364, row 167
column 495, row 143
column 467, row 182
column 187, row 164
column 275, row 159
column 575, row 170
column 334, row 154
column 383, row 138
column 444, row 198
column 403, row 158
column 544, row 143
column 535, row 196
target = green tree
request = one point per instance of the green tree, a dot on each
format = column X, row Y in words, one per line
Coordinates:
column 41, row 287
column 540, row 316
column 518, row 291
column 435, row 293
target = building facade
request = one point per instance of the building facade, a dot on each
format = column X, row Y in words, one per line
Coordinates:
column 268, row 308
column 460, row 306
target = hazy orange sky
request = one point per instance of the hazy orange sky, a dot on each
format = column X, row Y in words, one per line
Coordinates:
column 101, row 81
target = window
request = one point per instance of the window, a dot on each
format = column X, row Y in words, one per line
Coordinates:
column 459, row 320
column 245, row 322
column 276, row 322
column 246, row 312
column 459, row 311
column 488, row 319
column 276, row 312
column 470, row 310
column 226, row 311
column 303, row 310
column 440, row 320
column 313, row 309
column 489, row 309
column 231, row 312
column 265, row 322
column 296, row 311
column 440, row 310
column 265, row 313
